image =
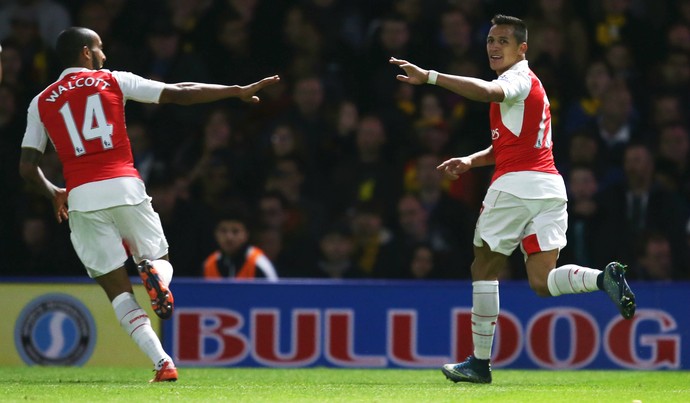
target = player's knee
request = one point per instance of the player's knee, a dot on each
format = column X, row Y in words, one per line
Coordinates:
column 539, row 286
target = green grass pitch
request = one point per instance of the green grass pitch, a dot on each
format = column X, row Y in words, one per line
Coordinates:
column 70, row 384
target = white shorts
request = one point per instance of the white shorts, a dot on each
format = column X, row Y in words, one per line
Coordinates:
column 99, row 236
column 507, row 221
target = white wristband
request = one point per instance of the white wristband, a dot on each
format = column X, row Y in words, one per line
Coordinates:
column 433, row 75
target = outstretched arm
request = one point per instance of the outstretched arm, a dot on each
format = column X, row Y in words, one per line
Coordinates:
column 197, row 93
column 32, row 173
column 469, row 87
column 454, row 167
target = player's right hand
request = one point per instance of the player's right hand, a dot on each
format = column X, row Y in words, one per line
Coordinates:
column 415, row 75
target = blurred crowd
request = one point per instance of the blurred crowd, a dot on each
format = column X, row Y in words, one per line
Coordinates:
column 336, row 166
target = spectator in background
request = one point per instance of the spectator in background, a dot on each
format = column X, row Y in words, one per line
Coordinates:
column 388, row 35
column 307, row 115
column 672, row 160
column 638, row 205
column 415, row 13
column 420, row 263
column 229, row 54
column 187, row 18
column 434, row 139
column 672, row 73
column 304, row 215
column 236, row 257
column 582, row 149
column 654, row 259
column 284, row 141
column 545, row 15
column 336, row 255
column 146, row 160
column 11, row 125
column 375, row 247
column 665, row 108
column 585, row 236
column 100, row 17
column 681, row 11
column 678, row 36
column 398, row 116
column 345, row 121
column 367, row 175
column 310, row 52
column 15, row 75
column 557, row 69
column 617, row 125
column 414, row 228
column 430, row 110
column 341, row 22
column 583, row 111
column 220, row 148
column 217, row 186
column 37, row 56
column 45, row 247
column 187, row 224
column 455, row 40
column 624, row 68
column 428, row 138
column 51, row 18
column 412, row 223
column 450, row 221
column 303, row 44
column 276, row 224
column 614, row 22
column 163, row 58
column 270, row 241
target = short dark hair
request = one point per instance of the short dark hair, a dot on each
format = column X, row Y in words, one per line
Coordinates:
column 232, row 214
column 70, row 42
column 519, row 26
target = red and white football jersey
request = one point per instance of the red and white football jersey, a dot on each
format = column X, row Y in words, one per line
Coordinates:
column 83, row 114
column 521, row 137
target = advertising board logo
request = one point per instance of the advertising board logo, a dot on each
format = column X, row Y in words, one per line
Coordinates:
column 55, row 329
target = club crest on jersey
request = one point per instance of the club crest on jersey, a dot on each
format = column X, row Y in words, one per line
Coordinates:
column 495, row 134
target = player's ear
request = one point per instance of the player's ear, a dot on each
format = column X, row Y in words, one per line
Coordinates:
column 522, row 48
column 85, row 53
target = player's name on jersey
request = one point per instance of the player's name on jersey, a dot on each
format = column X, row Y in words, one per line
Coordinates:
column 75, row 83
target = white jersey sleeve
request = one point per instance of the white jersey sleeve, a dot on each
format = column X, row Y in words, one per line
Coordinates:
column 35, row 135
column 516, row 83
column 138, row 88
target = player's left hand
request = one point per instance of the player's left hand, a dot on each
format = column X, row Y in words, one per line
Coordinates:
column 248, row 92
column 455, row 167
column 60, row 205
column 415, row 75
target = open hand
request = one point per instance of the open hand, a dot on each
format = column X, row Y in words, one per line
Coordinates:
column 415, row 75
column 248, row 93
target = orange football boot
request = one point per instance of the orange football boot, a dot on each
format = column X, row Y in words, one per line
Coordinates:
column 167, row 373
column 162, row 300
